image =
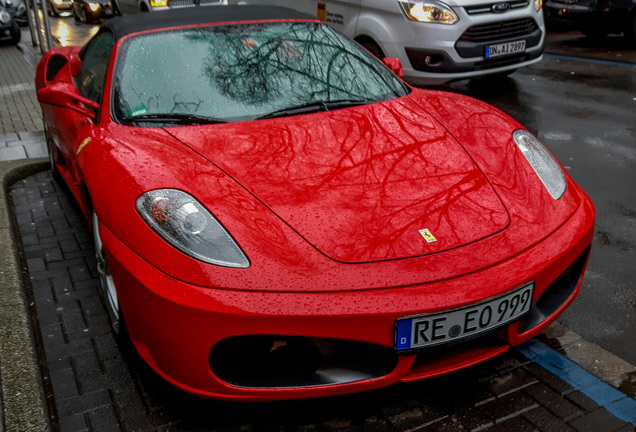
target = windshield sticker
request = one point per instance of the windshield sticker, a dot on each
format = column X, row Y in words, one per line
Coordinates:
column 139, row 110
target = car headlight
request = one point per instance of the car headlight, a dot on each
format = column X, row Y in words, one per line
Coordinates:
column 94, row 6
column 158, row 3
column 428, row 12
column 543, row 163
column 5, row 18
column 183, row 222
column 538, row 4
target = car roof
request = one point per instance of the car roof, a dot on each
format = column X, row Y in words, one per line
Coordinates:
column 123, row 25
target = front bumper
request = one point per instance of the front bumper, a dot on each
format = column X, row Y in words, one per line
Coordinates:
column 180, row 329
column 9, row 32
column 458, row 51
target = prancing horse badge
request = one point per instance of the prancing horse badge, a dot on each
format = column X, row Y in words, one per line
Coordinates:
column 428, row 236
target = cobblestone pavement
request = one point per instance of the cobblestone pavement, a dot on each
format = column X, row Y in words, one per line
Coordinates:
column 21, row 127
column 94, row 383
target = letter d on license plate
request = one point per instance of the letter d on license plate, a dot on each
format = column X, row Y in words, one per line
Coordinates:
column 439, row 328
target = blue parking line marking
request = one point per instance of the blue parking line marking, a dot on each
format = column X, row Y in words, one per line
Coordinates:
column 581, row 59
column 617, row 403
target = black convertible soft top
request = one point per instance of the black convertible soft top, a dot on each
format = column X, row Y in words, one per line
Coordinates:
column 124, row 25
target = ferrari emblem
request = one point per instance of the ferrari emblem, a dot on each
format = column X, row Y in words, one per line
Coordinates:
column 428, row 236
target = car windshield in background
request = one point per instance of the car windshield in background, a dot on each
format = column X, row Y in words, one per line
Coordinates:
column 243, row 72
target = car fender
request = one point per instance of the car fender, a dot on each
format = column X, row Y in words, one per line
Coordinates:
column 486, row 134
column 385, row 24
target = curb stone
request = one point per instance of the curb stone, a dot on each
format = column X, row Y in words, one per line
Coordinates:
column 24, row 406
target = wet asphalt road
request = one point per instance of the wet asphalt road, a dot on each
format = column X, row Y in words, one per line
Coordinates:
column 581, row 102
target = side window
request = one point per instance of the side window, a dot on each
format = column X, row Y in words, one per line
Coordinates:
column 92, row 72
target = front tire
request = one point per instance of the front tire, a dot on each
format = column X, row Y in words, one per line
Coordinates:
column 53, row 158
column 108, row 290
column 52, row 11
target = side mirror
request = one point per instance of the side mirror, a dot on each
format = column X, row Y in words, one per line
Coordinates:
column 65, row 96
column 395, row 65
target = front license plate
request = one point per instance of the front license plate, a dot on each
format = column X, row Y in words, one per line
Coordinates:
column 444, row 327
column 505, row 49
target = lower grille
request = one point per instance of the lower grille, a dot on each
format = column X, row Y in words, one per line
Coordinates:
column 278, row 361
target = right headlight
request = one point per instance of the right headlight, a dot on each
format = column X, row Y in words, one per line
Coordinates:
column 183, row 222
column 428, row 12
column 546, row 167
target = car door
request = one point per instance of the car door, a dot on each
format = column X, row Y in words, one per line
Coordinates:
column 72, row 131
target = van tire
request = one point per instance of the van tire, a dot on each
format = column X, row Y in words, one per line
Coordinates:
column 372, row 47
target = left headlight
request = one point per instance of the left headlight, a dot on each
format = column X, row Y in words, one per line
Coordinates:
column 428, row 12
column 5, row 18
column 543, row 163
column 182, row 221
column 538, row 4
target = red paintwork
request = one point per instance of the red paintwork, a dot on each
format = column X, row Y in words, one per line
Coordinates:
column 327, row 208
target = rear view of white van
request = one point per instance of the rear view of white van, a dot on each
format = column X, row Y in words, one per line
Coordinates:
column 438, row 41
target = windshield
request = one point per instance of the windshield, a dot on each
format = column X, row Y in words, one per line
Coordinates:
column 243, row 72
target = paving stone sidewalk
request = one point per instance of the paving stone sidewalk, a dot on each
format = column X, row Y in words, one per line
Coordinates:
column 21, row 127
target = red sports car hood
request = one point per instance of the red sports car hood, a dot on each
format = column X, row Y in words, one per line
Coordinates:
column 359, row 183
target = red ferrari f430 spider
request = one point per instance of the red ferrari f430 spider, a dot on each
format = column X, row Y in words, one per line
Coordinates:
column 278, row 215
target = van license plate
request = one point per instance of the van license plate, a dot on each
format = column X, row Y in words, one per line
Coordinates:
column 507, row 48
column 440, row 328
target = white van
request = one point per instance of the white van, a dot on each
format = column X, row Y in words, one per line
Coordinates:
column 437, row 41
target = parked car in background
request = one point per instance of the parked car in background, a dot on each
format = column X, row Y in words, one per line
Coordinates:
column 17, row 9
column 91, row 10
column 438, row 41
column 277, row 215
column 135, row 6
column 9, row 31
column 59, row 7
column 596, row 18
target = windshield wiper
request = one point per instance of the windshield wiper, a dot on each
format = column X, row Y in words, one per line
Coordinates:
column 176, row 118
column 315, row 106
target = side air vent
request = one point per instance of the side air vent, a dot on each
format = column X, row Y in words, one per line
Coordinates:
column 56, row 63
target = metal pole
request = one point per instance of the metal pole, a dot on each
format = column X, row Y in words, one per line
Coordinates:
column 29, row 10
column 38, row 26
column 47, row 25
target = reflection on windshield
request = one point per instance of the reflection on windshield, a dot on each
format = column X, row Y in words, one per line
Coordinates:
column 241, row 72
